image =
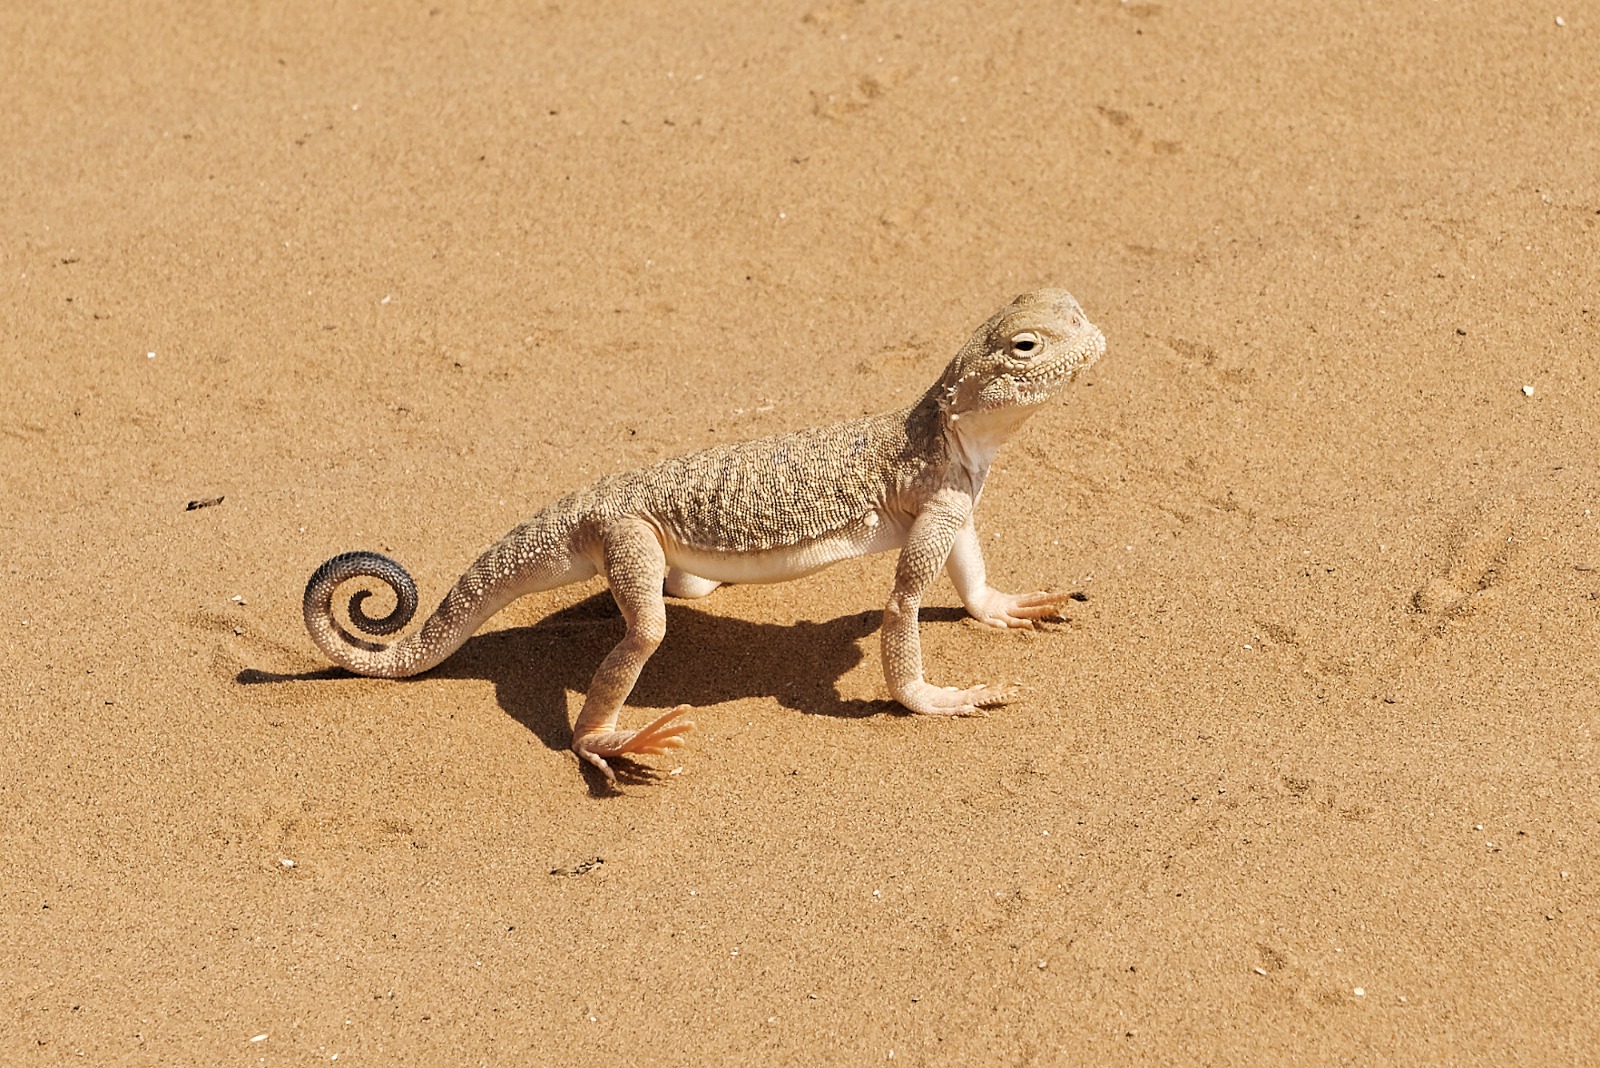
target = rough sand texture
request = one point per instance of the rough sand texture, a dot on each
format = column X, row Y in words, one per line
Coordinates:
column 1310, row 776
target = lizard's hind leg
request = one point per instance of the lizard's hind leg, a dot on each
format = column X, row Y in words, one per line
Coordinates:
column 636, row 569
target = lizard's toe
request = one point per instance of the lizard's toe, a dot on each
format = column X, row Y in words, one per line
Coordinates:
column 985, row 696
column 1008, row 610
column 597, row 760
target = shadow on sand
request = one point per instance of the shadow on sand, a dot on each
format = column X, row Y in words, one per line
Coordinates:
column 705, row 660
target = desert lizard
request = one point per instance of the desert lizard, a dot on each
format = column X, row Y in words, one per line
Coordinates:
column 766, row 510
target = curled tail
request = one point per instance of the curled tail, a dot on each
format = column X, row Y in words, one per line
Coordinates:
column 346, row 649
column 461, row 613
column 538, row 555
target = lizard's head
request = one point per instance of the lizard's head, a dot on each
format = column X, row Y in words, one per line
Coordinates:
column 1021, row 357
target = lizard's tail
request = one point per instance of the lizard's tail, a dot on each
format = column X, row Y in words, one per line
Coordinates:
column 462, row 612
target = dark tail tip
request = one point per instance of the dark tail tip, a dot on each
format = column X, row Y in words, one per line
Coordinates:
column 346, row 566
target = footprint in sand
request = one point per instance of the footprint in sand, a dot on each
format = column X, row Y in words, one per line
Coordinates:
column 1483, row 540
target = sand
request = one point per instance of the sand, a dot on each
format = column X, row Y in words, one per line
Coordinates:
column 1309, row 777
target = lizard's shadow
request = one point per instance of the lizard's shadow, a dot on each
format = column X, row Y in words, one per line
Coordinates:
column 705, row 660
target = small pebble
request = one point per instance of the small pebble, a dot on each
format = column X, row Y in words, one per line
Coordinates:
column 1527, row 391
column 1560, row 21
column 287, row 863
column 1361, row 992
column 1259, row 970
column 259, row 1038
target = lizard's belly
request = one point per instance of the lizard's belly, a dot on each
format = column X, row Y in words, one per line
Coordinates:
column 780, row 564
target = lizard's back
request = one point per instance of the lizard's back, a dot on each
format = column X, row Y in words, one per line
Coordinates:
column 769, row 493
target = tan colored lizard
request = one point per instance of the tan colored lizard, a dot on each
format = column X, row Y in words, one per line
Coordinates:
column 759, row 511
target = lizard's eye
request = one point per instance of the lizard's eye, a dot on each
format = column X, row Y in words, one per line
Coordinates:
column 1025, row 345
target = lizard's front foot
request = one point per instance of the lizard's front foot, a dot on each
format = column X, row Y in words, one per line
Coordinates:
column 663, row 734
column 1003, row 610
column 928, row 700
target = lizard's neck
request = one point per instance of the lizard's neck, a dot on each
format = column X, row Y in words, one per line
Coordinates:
column 974, row 438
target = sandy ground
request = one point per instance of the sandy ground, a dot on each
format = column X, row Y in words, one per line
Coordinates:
column 1309, row 777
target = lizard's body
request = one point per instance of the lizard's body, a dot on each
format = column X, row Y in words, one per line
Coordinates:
column 767, row 510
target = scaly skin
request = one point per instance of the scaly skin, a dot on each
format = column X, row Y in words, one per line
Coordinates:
column 759, row 511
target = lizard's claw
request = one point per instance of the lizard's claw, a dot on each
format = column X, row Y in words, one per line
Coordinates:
column 927, row 700
column 1007, row 610
column 662, row 735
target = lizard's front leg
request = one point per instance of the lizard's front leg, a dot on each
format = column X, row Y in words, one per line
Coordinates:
column 985, row 603
column 928, row 545
column 635, row 567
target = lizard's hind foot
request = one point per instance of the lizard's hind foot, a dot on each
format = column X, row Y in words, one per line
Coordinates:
column 662, row 735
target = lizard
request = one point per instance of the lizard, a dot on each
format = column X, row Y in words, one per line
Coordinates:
column 766, row 510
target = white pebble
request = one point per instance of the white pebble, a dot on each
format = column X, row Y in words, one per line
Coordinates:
column 1527, row 391
column 1361, row 992
column 1560, row 21
column 287, row 863
column 259, row 1038
column 151, row 356
column 1259, row 970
